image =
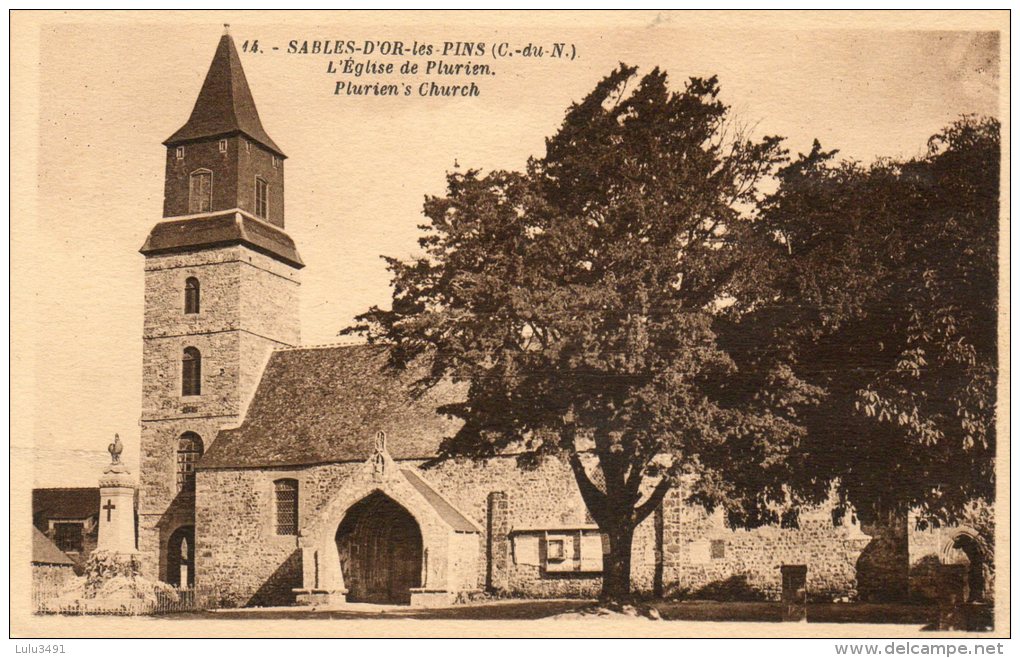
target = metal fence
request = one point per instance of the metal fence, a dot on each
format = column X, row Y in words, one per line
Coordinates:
column 53, row 600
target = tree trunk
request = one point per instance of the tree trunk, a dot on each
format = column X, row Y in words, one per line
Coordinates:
column 616, row 570
column 883, row 567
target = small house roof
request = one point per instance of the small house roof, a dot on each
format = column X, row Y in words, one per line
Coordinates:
column 45, row 551
column 73, row 503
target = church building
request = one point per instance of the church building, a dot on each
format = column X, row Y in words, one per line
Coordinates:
column 274, row 473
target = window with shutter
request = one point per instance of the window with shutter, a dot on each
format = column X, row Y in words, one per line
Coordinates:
column 261, row 198
column 200, row 198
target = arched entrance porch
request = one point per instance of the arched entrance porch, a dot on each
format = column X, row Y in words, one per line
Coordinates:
column 389, row 529
column 379, row 544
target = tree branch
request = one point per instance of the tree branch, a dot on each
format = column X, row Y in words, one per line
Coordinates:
column 594, row 499
column 661, row 489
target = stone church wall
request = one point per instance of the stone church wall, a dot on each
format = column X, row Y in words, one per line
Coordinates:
column 543, row 498
column 239, row 559
column 218, row 272
column 269, row 302
column 678, row 551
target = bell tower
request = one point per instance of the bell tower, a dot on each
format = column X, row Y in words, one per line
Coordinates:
column 221, row 292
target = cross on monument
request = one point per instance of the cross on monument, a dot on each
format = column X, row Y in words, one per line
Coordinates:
column 109, row 507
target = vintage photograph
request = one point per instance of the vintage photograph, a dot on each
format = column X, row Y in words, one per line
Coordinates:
column 537, row 323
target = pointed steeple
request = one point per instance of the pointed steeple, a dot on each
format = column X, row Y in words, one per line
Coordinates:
column 225, row 105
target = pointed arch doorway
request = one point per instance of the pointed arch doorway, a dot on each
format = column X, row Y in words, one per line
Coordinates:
column 380, row 548
column 180, row 557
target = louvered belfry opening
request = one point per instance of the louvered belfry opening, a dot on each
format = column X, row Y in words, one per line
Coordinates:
column 380, row 547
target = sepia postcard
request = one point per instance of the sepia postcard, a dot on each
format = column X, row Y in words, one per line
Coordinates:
column 510, row 324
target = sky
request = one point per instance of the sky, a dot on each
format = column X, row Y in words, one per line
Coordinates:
column 101, row 96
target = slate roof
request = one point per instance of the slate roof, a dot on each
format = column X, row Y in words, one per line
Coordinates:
column 453, row 517
column 225, row 105
column 325, row 404
column 45, row 551
column 231, row 227
column 64, row 503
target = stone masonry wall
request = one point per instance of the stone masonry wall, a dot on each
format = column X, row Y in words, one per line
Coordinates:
column 698, row 556
column 269, row 298
column 240, row 556
column 705, row 558
column 544, row 497
column 162, row 509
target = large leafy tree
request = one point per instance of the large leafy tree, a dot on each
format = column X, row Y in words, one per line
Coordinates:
column 581, row 301
column 877, row 286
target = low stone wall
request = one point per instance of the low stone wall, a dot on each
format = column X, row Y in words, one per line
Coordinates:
column 51, row 578
column 705, row 558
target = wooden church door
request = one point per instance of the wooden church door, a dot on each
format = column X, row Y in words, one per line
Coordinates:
column 380, row 547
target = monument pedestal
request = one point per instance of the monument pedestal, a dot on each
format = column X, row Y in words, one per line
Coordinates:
column 117, row 510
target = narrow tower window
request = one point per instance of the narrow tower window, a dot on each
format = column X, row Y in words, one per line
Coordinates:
column 192, row 295
column 261, row 198
column 200, row 199
column 189, row 449
column 180, row 152
column 223, row 146
column 286, row 506
column 191, row 372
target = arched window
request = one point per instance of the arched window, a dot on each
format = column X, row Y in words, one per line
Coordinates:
column 191, row 372
column 200, row 197
column 191, row 295
column 189, row 449
column 286, row 506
